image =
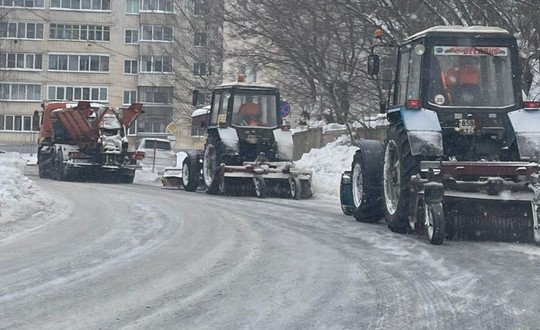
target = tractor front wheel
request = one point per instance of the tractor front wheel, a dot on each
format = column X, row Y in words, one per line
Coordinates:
column 190, row 173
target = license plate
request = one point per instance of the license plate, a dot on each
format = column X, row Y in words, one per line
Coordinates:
column 467, row 126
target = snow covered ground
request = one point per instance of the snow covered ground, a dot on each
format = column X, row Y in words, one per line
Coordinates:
column 24, row 204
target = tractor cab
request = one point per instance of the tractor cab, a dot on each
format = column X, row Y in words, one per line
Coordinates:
column 245, row 106
column 246, row 116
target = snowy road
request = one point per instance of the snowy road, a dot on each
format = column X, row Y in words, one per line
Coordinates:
column 162, row 259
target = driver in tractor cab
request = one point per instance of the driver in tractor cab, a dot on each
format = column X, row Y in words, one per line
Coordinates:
column 249, row 114
column 460, row 82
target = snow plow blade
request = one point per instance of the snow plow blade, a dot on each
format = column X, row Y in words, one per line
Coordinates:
column 484, row 201
column 489, row 220
column 276, row 179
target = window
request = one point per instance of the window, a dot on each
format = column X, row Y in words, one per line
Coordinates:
column 80, row 32
column 200, row 39
column 22, row 4
column 130, row 66
column 154, row 120
column 130, row 97
column 153, row 94
column 199, row 69
column 159, row 64
column 99, row 5
column 132, row 6
column 156, row 33
column 12, row 30
column 198, row 8
column 165, row 6
column 78, row 93
column 16, row 123
column 198, row 125
column 79, row 63
column 21, row 61
column 20, row 92
column 132, row 37
column 465, row 75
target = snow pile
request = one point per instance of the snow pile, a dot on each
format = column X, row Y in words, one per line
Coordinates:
column 327, row 164
column 20, row 197
column 146, row 176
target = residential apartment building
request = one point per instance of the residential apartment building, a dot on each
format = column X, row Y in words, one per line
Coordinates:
column 115, row 52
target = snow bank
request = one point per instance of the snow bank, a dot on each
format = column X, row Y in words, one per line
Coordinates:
column 327, row 164
column 20, row 198
column 146, row 176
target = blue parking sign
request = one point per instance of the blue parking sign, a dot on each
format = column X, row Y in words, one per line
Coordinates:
column 284, row 109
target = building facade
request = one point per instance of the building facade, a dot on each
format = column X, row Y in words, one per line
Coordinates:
column 114, row 52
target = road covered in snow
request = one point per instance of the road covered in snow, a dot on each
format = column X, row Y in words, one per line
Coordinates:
column 137, row 256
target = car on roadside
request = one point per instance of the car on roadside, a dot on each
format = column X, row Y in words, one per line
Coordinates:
column 159, row 154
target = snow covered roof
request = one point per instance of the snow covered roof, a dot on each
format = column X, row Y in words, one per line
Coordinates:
column 460, row 29
column 155, row 139
column 246, row 84
column 73, row 104
column 202, row 111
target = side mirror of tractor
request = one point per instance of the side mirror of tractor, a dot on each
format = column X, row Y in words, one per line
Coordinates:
column 373, row 65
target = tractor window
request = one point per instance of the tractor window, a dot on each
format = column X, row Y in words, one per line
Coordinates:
column 408, row 86
column 255, row 110
column 471, row 76
column 222, row 115
column 215, row 107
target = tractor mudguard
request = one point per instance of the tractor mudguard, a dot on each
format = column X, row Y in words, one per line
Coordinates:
column 526, row 125
column 229, row 138
column 424, row 131
column 284, row 141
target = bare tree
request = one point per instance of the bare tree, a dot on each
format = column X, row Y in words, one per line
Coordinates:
column 197, row 51
column 319, row 47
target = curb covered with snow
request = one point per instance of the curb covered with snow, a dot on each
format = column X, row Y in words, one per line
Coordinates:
column 327, row 164
column 23, row 204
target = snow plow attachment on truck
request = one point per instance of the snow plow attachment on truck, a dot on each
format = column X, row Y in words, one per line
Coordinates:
column 83, row 140
column 477, row 201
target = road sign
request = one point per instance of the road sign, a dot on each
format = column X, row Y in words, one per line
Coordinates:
column 284, row 109
column 171, row 128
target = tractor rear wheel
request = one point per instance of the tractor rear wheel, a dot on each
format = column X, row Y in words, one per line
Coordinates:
column 399, row 166
column 190, row 173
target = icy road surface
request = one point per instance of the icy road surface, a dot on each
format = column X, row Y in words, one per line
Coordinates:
column 135, row 256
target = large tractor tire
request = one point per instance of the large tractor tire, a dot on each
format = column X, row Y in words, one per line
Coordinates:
column 366, row 181
column 190, row 173
column 213, row 156
column 399, row 166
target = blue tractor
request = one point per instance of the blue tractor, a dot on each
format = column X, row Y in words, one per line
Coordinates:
column 462, row 147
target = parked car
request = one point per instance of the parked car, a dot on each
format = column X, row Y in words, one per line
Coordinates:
column 159, row 154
